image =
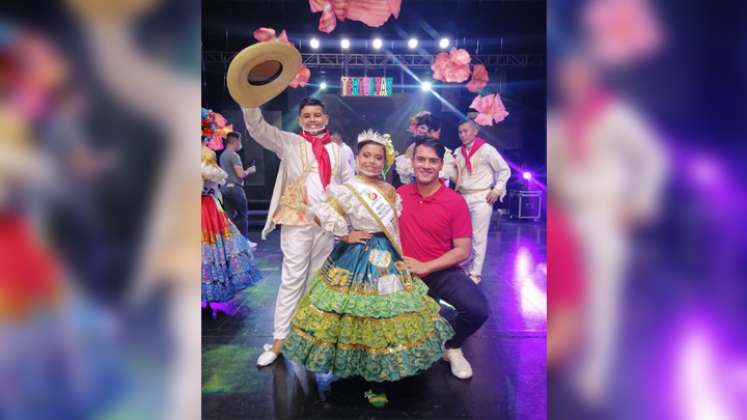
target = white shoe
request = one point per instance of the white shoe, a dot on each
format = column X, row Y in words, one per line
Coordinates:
column 446, row 304
column 267, row 357
column 459, row 365
column 475, row 279
column 252, row 245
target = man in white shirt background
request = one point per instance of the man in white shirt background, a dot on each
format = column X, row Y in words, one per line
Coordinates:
column 481, row 177
column 347, row 153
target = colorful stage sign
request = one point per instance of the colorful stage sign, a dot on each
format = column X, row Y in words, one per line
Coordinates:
column 366, row 86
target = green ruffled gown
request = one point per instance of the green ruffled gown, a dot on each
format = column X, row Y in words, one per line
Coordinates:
column 365, row 315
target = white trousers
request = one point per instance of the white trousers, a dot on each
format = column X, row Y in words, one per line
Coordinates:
column 605, row 249
column 304, row 250
column 480, row 212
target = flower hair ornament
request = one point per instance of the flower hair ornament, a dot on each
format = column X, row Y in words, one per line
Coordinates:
column 384, row 140
column 215, row 127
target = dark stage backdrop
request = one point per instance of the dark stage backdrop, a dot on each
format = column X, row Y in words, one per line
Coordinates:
column 351, row 115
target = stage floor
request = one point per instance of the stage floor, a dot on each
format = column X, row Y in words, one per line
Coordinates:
column 507, row 354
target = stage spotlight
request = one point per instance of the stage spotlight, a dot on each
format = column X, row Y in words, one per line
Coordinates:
column 377, row 43
column 412, row 43
column 443, row 43
column 345, row 44
column 526, row 175
column 314, row 43
column 323, row 85
column 426, row 86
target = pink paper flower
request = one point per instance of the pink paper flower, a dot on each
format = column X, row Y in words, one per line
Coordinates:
column 284, row 38
column 440, row 62
column 317, row 5
column 621, row 31
column 479, row 80
column 268, row 35
column 328, row 21
column 490, row 109
column 264, row 34
column 452, row 67
column 302, row 77
column 373, row 13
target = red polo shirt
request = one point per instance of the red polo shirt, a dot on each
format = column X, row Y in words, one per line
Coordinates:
column 428, row 224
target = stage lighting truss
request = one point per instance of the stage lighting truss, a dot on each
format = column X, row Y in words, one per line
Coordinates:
column 386, row 61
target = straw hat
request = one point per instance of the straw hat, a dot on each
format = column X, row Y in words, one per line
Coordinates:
column 261, row 72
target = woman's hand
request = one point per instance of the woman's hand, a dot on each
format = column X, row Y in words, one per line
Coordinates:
column 357, row 237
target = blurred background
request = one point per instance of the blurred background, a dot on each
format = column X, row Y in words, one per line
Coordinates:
column 645, row 243
column 98, row 209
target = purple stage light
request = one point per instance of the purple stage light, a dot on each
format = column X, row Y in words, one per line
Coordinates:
column 527, row 175
column 532, row 297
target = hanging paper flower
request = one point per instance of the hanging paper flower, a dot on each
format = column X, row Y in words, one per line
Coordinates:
column 490, row 109
column 264, row 34
column 479, row 78
column 268, row 35
column 452, row 67
column 284, row 38
column 621, row 31
column 328, row 21
column 302, row 77
column 215, row 127
column 373, row 13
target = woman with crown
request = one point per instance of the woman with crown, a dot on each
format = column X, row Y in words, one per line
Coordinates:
column 365, row 314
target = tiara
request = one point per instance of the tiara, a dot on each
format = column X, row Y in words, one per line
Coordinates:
column 371, row 135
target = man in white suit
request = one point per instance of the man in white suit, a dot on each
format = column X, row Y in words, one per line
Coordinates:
column 309, row 162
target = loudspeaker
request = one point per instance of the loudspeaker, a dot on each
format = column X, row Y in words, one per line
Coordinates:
column 525, row 204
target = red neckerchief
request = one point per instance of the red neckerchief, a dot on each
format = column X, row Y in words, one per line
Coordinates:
column 321, row 155
column 476, row 143
column 580, row 120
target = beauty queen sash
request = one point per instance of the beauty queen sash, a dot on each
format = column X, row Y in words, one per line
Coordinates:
column 381, row 209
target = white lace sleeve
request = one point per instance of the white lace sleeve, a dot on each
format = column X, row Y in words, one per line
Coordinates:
column 331, row 211
column 403, row 166
column 214, row 174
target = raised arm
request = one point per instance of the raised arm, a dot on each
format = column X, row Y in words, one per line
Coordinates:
column 149, row 86
column 268, row 136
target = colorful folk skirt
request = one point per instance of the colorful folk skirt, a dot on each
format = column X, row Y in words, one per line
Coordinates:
column 227, row 262
column 365, row 315
column 29, row 271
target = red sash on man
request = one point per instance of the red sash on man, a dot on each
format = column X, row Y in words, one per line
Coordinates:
column 582, row 119
column 321, row 155
column 476, row 143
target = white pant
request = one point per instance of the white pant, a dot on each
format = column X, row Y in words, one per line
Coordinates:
column 605, row 253
column 304, row 250
column 480, row 212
